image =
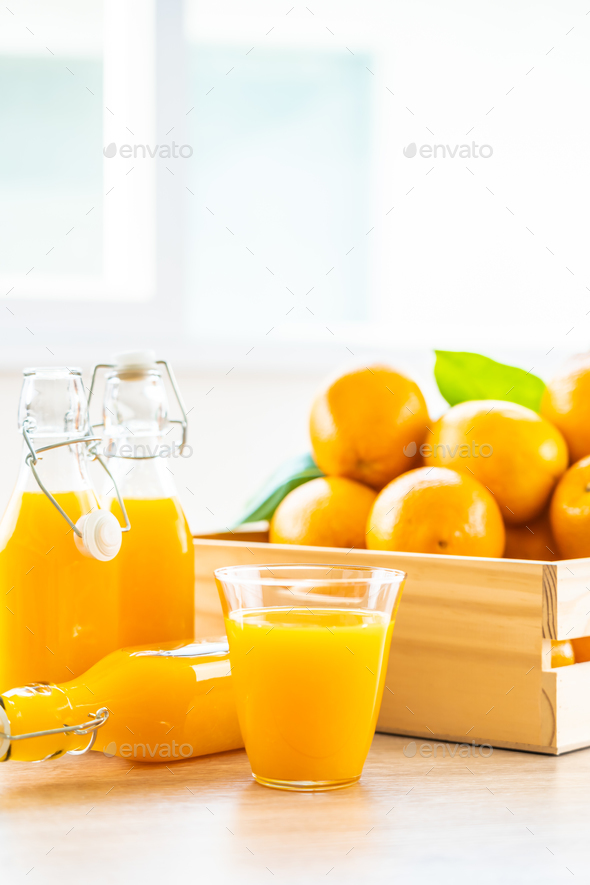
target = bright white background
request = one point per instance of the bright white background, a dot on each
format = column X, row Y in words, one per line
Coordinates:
column 238, row 264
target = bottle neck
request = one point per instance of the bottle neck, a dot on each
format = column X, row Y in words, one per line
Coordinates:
column 39, row 707
column 146, row 478
column 137, row 440
column 53, row 409
column 64, row 469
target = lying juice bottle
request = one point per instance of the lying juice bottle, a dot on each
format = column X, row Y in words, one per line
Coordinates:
column 562, row 653
column 155, row 569
column 155, row 703
column 581, row 649
column 59, row 612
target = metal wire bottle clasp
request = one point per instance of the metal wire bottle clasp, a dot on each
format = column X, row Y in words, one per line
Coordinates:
column 91, row 442
column 171, row 377
column 97, row 721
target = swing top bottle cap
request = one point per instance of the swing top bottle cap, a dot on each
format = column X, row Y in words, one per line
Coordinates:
column 134, row 360
column 100, row 535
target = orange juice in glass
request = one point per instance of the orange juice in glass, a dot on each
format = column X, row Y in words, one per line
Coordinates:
column 309, row 646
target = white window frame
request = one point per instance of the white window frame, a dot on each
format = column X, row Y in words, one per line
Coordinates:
column 139, row 295
column 140, row 300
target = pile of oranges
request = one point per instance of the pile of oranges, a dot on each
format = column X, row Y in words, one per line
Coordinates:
column 488, row 478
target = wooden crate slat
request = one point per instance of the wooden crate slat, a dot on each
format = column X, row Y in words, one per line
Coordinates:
column 550, row 625
column 568, row 689
column 466, row 660
column 573, row 602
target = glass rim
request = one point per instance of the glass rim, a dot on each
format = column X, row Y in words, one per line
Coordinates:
column 229, row 573
column 57, row 371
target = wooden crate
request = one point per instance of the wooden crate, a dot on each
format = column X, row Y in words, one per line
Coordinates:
column 471, row 653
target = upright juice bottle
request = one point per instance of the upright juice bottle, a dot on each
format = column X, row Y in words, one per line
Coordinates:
column 59, row 600
column 155, row 568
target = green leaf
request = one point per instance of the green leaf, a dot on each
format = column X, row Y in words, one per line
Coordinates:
column 465, row 376
column 293, row 473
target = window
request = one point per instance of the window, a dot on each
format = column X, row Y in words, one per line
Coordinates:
column 281, row 187
column 69, row 231
column 324, row 195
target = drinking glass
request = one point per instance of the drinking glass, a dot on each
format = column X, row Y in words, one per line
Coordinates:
column 309, row 646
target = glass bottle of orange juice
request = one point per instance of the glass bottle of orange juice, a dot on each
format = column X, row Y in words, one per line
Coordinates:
column 156, row 703
column 59, row 596
column 155, row 568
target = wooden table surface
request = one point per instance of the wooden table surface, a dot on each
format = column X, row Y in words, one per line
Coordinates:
column 512, row 817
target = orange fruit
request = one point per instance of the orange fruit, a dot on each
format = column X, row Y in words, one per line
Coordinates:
column 436, row 510
column 368, row 425
column 581, row 648
column 513, row 451
column 566, row 403
column 532, row 541
column 326, row 512
column 570, row 511
column 562, row 653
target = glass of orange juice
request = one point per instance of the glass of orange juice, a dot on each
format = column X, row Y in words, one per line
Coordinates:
column 309, row 646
